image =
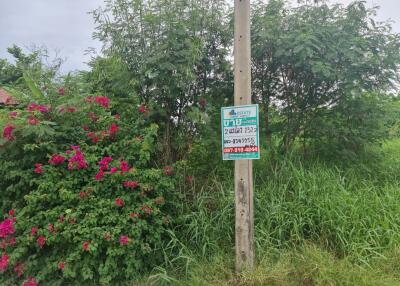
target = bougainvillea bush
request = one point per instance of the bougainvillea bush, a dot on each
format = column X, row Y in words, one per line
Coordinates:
column 83, row 199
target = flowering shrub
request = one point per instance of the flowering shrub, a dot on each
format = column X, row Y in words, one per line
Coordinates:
column 82, row 200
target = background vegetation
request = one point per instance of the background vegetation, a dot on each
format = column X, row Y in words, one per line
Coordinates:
column 327, row 186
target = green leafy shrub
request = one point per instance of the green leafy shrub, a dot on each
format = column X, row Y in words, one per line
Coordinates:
column 82, row 197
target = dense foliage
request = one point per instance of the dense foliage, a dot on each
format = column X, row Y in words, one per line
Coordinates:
column 175, row 55
column 85, row 202
column 315, row 63
column 110, row 174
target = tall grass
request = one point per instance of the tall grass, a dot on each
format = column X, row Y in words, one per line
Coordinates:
column 310, row 217
column 339, row 210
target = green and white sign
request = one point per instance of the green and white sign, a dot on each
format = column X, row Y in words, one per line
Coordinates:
column 240, row 132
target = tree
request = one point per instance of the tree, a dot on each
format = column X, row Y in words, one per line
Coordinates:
column 317, row 59
column 109, row 75
column 176, row 53
column 35, row 63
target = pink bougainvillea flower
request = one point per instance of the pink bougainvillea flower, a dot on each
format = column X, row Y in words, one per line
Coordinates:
column 61, row 91
column 113, row 129
column 95, row 140
column 85, row 246
column 71, row 109
column 32, row 107
column 61, row 265
column 8, row 132
column 19, row 269
column 123, row 240
column 124, row 167
column 11, row 212
column 93, row 137
column 4, row 262
column 41, row 241
column 12, row 114
column 103, row 101
column 117, row 117
column 78, row 161
column 36, row 107
column 168, row 170
column 38, row 168
column 131, row 184
column 51, row 228
column 30, row 282
column 99, row 176
column 43, row 108
column 142, row 108
column 113, row 170
column 61, row 219
column 33, row 121
column 119, row 202
column 104, row 163
column 86, row 128
column 7, row 228
column 82, row 195
column 34, row 231
column 57, row 160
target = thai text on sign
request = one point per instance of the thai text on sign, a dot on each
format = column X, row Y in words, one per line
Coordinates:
column 240, row 132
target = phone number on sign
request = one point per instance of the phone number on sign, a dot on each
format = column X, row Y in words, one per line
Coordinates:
column 241, row 149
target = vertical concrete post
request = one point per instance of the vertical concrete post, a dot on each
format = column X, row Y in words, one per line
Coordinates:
column 244, row 216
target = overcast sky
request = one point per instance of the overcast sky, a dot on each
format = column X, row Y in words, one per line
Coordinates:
column 62, row 25
column 66, row 26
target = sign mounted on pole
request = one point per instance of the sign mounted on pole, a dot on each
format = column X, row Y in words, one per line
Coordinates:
column 240, row 132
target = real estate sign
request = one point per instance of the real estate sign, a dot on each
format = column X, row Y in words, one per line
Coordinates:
column 240, row 132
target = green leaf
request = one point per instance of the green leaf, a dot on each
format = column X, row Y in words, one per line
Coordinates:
column 33, row 88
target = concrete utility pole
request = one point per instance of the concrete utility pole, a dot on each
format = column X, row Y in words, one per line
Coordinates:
column 244, row 222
